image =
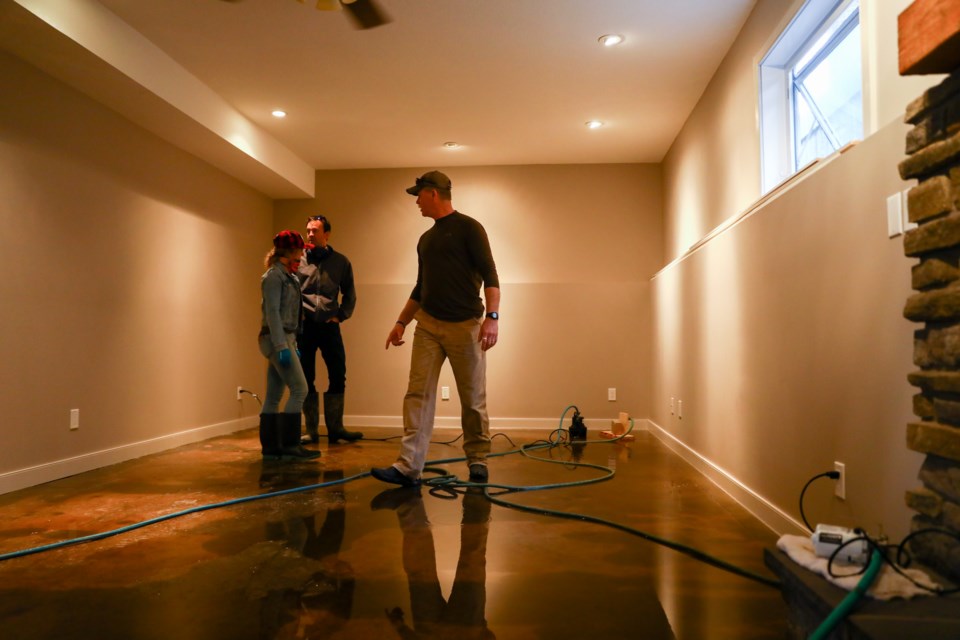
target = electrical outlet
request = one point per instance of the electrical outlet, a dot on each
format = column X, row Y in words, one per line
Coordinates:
column 74, row 419
column 444, row 393
column 840, row 484
column 612, row 394
column 239, row 393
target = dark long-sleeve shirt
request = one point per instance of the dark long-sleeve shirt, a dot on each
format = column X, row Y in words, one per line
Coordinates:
column 454, row 260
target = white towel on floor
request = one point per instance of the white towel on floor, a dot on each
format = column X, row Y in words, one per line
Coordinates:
column 889, row 584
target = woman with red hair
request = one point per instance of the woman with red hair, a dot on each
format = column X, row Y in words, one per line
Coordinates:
column 280, row 324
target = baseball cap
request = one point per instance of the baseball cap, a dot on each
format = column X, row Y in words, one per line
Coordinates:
column 435, row 179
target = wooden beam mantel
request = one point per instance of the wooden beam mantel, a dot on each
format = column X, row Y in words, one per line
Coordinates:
column 929, row 37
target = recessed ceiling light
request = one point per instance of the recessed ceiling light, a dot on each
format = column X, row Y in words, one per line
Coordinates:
column 593, row 124
column 610, row 40
column 451, row 145
column 278, row 113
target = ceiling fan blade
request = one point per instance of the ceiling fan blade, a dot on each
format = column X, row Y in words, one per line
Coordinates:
column 365, row 13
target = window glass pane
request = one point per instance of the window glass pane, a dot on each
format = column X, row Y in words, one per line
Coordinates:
column 839, row 23
column 811, row 141
column 811, row 97
column 835, row 86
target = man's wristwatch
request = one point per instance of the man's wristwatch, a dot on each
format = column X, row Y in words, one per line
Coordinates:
column 493, row 315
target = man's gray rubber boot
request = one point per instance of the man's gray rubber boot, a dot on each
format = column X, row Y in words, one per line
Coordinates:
column 333, row 416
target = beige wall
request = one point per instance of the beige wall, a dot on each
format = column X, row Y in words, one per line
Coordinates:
column 783, row 335
column 575, row 248
column 712, row 170
column 130, row 286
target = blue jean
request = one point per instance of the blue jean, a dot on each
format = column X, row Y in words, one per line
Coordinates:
column 280, row 377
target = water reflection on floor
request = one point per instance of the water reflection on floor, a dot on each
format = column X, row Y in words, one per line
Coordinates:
column 365, row 560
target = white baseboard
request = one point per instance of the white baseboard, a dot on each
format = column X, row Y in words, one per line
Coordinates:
column 496, row 424
column 768, row 513
column 47, row 472
column 31, row 476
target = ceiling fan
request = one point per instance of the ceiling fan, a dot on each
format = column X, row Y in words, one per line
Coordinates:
column 366, row 14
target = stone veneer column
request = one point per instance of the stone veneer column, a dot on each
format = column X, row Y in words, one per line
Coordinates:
column 929, row 42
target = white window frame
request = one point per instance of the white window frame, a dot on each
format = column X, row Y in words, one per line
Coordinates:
column 808, row 26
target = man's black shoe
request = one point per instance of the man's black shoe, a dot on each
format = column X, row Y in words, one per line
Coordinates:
column 478, row 472
column 394, row 476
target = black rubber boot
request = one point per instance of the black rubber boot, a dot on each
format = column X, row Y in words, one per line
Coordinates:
column 269, row 436
column 311, row 418
column 333, row 416
column 290, row 437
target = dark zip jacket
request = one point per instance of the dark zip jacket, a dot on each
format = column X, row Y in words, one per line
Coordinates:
column 326, row 282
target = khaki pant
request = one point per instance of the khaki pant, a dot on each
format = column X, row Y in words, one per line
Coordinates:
column 433, row 342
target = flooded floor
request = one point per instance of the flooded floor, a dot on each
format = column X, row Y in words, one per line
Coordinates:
column 361, row 559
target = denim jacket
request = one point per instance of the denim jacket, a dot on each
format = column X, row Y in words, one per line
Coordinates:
column 280, row 305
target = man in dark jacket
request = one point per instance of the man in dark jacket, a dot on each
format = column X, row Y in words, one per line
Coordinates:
column 329, row 297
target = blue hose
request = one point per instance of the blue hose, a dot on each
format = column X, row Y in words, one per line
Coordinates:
column 171, row 516
column 445, row 480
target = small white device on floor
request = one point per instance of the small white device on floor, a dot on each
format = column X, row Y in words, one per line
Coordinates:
column 828, row 537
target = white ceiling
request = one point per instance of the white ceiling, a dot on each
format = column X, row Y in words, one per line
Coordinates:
column 513, row 81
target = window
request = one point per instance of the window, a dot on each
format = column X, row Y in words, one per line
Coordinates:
column 811, row 91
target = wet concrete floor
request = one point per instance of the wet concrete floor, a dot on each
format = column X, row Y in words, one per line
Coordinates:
column 361, row 559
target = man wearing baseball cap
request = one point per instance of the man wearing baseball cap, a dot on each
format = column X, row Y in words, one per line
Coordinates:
column 454, row 262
